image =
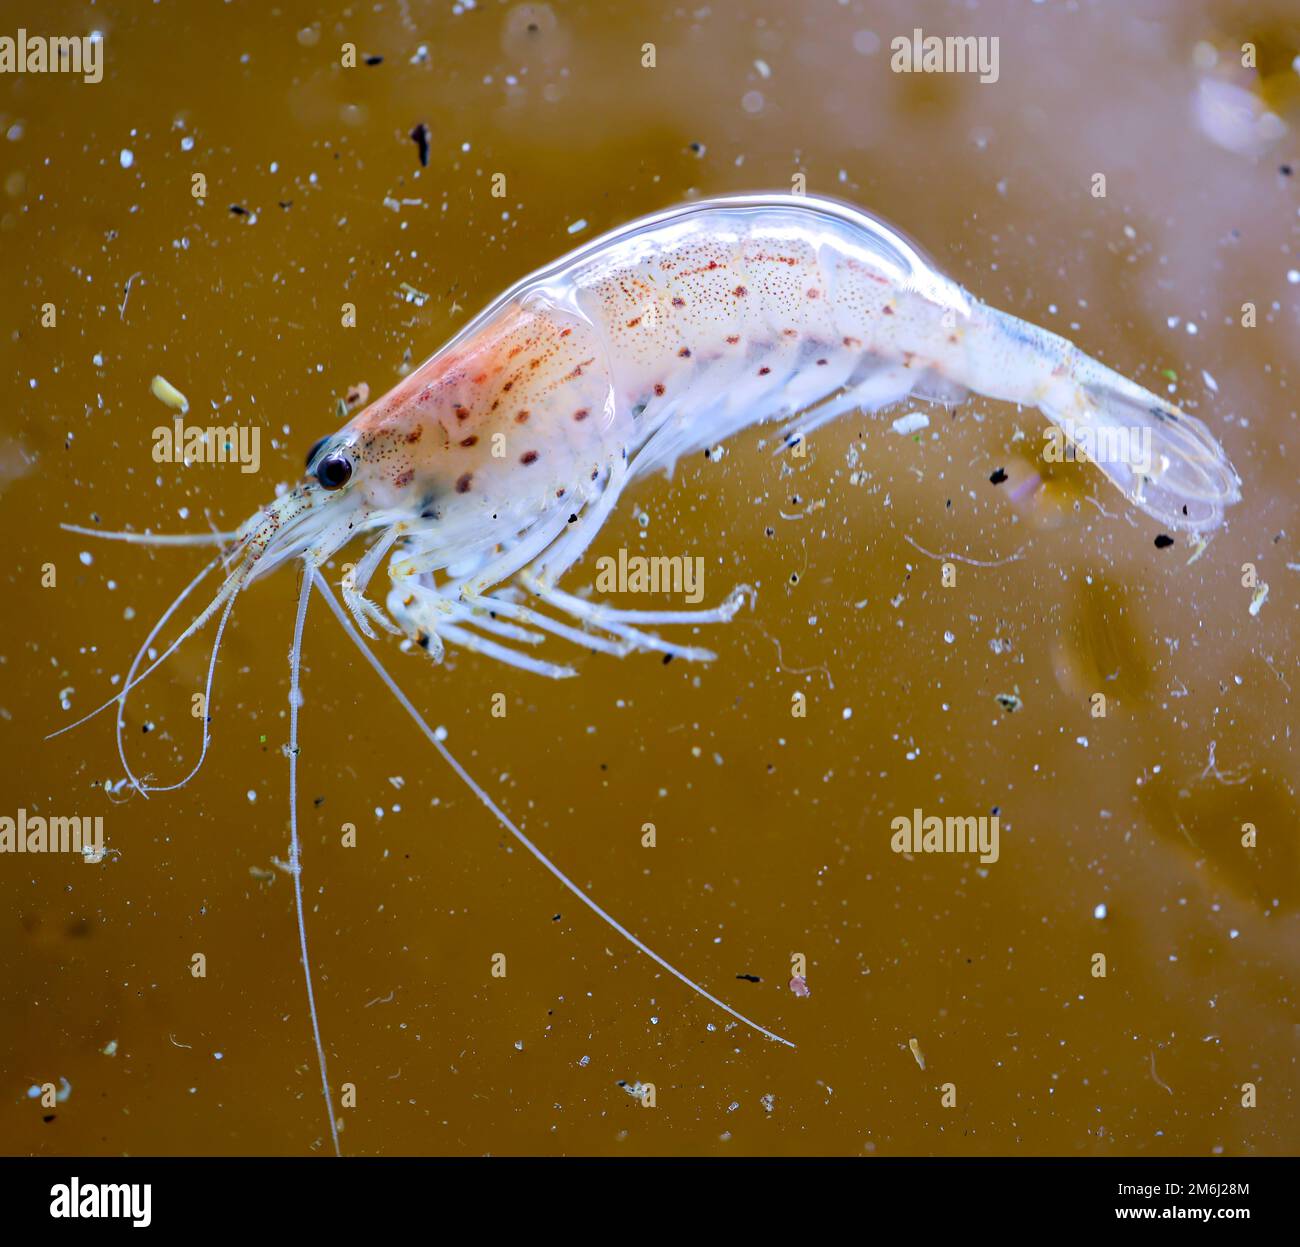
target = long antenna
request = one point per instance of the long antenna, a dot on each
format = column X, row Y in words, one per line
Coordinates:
column 505, row 822
column 295, row 852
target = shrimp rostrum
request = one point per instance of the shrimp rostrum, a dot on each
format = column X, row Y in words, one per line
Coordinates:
column 487, row 472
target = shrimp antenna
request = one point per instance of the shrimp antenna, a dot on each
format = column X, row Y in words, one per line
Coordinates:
column 154, row 539
column 505, row 822
column 295, row 850
column 230, row 587
column 144, row 789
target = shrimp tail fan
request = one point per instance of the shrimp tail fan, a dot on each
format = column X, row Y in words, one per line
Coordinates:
column 1164, row 461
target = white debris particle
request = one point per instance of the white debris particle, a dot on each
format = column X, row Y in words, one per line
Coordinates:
column 252, row 795
column 916, row 1052
column 1099, row 912
column 1260, row 597
column 126, row 158
column 578, row 226
column 768, row 1102
column 911, row 423
column 86, row 558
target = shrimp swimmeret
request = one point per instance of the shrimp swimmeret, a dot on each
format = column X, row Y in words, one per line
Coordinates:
column 489, row 470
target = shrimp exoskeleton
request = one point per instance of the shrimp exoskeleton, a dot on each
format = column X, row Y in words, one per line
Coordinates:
column 488, row 471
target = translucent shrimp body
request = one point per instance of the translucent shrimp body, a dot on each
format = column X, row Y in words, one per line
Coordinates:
column 504, row 452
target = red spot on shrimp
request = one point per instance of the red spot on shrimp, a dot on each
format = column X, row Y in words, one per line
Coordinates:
column 852, row 342
column 740, row 292
column 581, row 414
column 678, row 301
column 821, row 363
column 733, row 339
column 464, row 482
column 414, row 435
column 685, row 352
column 659, row 389
column 564, row 333
column 762, row 372
column 522, row 417
column 813, row 294
column 790, row 333
column 462, row 413
column 470, row 441
column 403, row 479
column 634, row 322
column 529, row 456
column 509, row 385
column 889, row 311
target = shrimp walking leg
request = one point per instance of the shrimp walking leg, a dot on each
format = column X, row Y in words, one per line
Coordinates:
column 599, row 616
column 587, row 640
column 573, row 545
column 503, row 653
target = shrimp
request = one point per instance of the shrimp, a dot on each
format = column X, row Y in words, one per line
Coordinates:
column 488, row 471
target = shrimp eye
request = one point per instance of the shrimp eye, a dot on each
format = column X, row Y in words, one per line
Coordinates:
column 315, row 450
column 334, row 471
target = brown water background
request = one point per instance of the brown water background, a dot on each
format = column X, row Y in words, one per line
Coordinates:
column 773, row 832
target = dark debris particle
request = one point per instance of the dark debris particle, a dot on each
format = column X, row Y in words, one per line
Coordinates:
column 1164, row 541
column 998, row 477
column 1285, row 170
column 667, row 659
column 749, row 978
column 146, row 727
column 374, row 60
column 48, row 1117
column 421, row 136
column 286, row 204
column 573, row 519
column 239, row 209
column 318, row 801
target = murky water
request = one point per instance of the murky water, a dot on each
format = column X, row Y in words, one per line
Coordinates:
column 1120, row 835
